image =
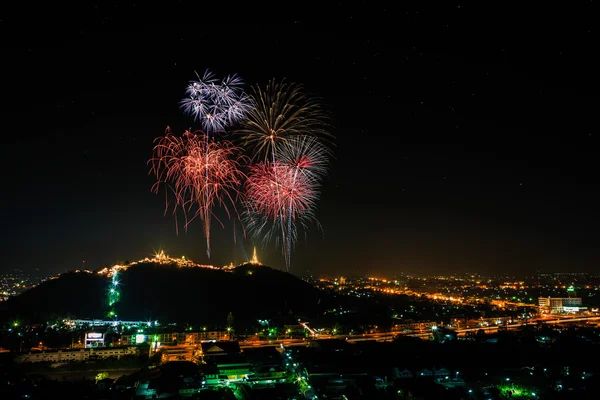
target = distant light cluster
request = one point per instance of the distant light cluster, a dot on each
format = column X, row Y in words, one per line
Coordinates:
column 159, row 258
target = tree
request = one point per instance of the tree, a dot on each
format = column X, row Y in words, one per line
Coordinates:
column 101, row 376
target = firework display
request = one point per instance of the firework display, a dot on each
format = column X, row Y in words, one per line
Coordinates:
column 217, row 104
column 278, row 112
column 286, row 129
column 284, row 132
column 281, row 196
column 200, row 174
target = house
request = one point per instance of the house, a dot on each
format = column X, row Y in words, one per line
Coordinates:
column 402, row 374
column 178, row 353
column 233, row 367
column 210, row 375
column 424, row 373
column 170, row 379
column 265, row 376
column 220, row 348
column 270, row 372
column 228, row 359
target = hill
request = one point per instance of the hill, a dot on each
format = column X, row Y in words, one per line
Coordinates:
column 71, row 294
column 172, row 294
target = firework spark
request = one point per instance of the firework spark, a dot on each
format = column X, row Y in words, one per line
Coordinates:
column 217, row 104
column 277, row 113
column 281, row 196
column 199, row 174
column 287, row 132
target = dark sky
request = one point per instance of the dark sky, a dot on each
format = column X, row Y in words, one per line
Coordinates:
column 466, row 137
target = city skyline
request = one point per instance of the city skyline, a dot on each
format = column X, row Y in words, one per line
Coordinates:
column 463, row 143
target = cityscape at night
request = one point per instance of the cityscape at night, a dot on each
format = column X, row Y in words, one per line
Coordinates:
column 362, row 201
column 341, row 350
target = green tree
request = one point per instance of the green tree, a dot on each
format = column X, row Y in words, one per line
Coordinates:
column 101, row 375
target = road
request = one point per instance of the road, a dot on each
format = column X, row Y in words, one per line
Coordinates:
column 563, row 320
column 388, row 336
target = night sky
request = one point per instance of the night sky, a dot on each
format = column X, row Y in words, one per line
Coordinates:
column 466, row 138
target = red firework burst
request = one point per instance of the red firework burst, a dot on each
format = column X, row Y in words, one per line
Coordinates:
column 200, row 174
column 277, row 190
column 281, row 195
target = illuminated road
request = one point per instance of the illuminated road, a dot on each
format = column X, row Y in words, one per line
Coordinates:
column 487, row 329
column 388, row 336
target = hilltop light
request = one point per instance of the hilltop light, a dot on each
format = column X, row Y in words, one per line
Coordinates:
column 158, row 258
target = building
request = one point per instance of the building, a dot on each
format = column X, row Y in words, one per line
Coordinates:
column 81, row 323
column 179, row 353
column 556, row 305
column 405, row 373
column 228, row 359
column 75, row 355
column 94, row 340
column 220, row 348
column 175, row 338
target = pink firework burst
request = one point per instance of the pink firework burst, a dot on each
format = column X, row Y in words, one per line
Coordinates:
column 282, row 195
column 199, row 174
column 278, row 190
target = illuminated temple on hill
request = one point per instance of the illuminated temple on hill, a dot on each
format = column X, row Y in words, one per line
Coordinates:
column 162, row 258
column 159, row 258
column 255, row 259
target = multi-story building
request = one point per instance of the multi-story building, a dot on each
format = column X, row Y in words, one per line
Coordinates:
column 560, row 304
column 174, row 338
column 75, row 355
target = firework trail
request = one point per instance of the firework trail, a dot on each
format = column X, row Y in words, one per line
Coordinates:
column 281, row 196
column 199, row 174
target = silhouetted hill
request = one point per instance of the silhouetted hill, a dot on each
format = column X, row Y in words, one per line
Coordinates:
column 169, row 293
column 207, row 296
column 73, row 294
